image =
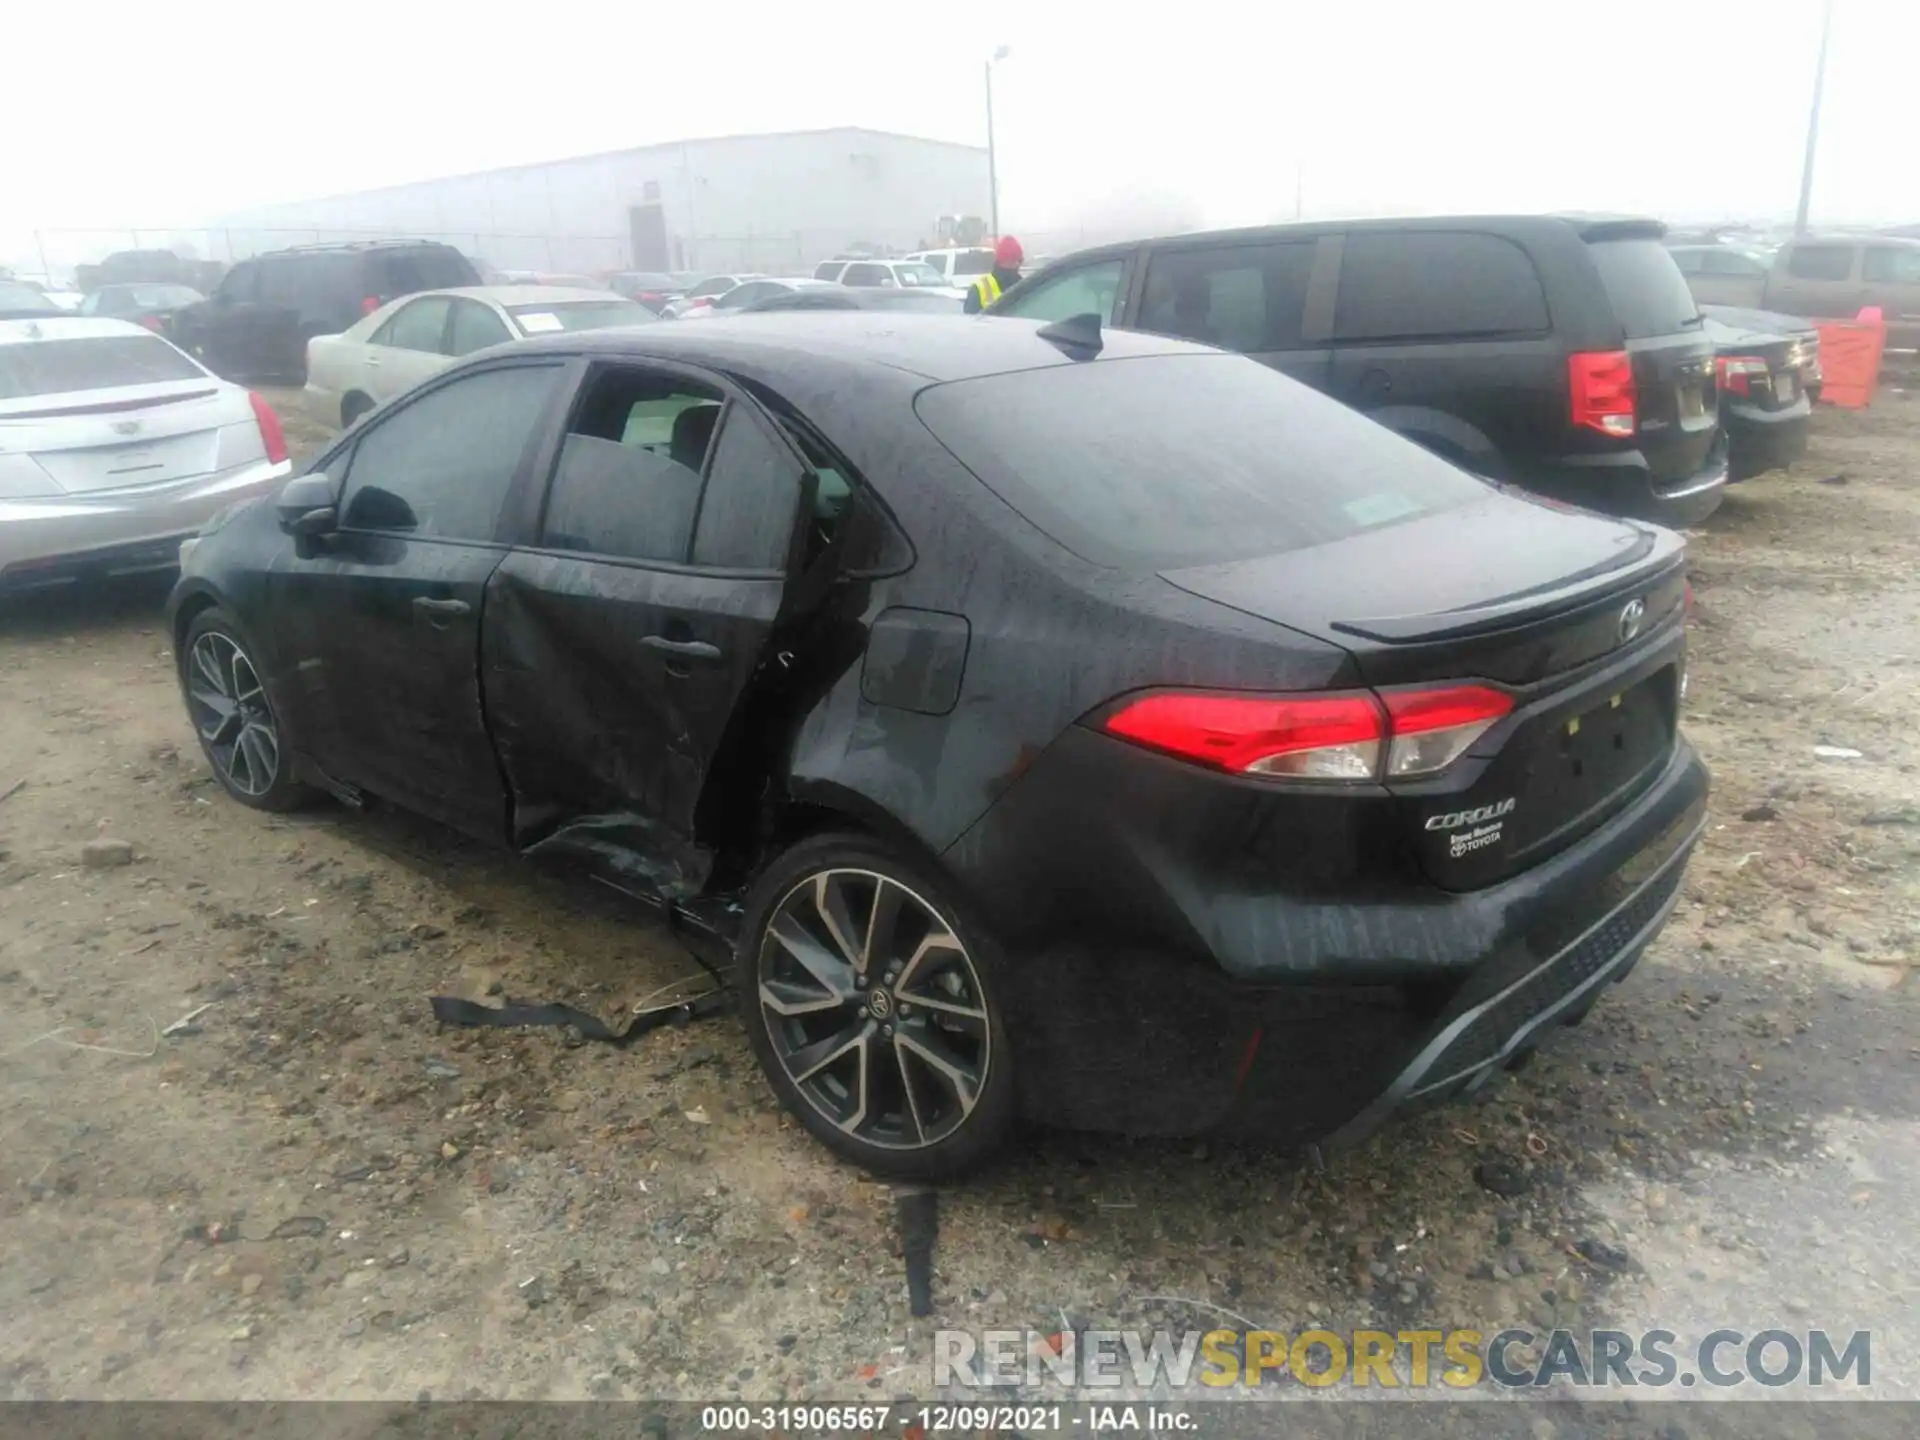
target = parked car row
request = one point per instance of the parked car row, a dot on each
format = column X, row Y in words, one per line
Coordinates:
column 986, row 766
column 1831, row 277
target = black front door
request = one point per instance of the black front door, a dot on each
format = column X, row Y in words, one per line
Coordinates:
column 388, row 612
column 619, row 644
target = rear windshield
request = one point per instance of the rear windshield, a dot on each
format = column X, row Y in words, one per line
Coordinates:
column 1648, row 292
column 57, row 367
column 1165, row 461
column 583, row 315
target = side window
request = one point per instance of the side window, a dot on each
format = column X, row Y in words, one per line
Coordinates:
column 238, row 283
column 1820, row 262
column 627, row 484
column 1243, row 297
column 419, row 326
column 278, row 284
column 1892, row 265
column 440, row 467
column 748, row 294
column 1089, row 290
column 1691, row 262
column 865, row 272
column 827, row 270
column 717, row 285
column 1730, row 262
column 746, row 515
column 474, row 326
column 1422, row 285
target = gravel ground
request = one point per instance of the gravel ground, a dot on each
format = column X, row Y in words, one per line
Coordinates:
column 311, row 1190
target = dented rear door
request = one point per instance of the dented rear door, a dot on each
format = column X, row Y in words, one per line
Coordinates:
column 611, row 679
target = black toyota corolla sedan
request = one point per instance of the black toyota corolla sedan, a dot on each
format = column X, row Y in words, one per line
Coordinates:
column 1091, row 726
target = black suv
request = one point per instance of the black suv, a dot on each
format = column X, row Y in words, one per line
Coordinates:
column 258, row 322
column 1561, row 354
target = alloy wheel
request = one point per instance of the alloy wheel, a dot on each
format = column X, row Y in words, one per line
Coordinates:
column 875, row 1009
column 229, row 708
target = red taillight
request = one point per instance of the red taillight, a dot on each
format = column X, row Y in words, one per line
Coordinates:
column 154, row 323
column 1352, row 736
column 649, row 295
column 369, row 304
column 271, row 435
column 1735, row 373
column 1327, row 737
column 1433, row 728
column 1601, row 383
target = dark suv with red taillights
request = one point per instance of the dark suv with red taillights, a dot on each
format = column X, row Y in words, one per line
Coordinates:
column 1563, row 354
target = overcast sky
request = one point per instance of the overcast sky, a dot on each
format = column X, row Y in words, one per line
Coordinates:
column 1683, row 109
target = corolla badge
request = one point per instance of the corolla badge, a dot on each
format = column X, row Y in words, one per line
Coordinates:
column 126, row 427
column 1632, row 615
column 1471, row 830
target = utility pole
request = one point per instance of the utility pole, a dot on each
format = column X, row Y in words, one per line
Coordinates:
column 993, row 171
column 1813, row 121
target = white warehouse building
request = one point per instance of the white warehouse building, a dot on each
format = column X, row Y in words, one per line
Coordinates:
column 771, row 203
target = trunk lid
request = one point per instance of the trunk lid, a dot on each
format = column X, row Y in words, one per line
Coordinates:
column 119, row 439
column 1570, row 612
column 1672, row 358
column 1786, row 356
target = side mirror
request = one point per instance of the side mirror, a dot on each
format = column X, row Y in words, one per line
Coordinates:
column 308, row 505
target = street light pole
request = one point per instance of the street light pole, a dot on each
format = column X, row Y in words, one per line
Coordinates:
column 1813, row 122
column 993, row 171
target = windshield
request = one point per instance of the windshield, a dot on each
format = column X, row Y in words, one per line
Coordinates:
column 916, row 274
column 59, row 367
column 1649, row 293
column 1173, row 460
column 580, row 315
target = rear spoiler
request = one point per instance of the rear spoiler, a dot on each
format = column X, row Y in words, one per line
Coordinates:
column 1619, row 227
column 1649, row 561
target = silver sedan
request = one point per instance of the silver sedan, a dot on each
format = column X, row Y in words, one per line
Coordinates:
column 114, row 447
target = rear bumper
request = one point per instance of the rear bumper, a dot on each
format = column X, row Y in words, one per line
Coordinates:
column 1622, row 483
column 1112, row 1031
column 57, row 539
column 1762, row 440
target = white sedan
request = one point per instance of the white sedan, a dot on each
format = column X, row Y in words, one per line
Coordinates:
column 406, row 340
column 114, row 447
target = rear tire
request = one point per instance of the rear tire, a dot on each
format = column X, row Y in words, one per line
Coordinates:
column 234, row 718
column 868, row 997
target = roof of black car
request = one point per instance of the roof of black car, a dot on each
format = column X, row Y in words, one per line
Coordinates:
column 936, row 347
column 1589, row 227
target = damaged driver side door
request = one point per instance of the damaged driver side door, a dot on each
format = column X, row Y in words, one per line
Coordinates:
column 621, row 638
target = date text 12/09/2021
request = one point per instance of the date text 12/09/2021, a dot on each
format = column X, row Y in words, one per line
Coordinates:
column 915, row 1422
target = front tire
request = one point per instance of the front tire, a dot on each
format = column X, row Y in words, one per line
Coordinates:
column 868, row 998
column 234, row 718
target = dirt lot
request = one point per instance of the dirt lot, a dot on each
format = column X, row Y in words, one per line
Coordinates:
column 312, row 1190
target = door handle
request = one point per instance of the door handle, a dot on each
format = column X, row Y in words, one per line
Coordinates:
column 371, row 362
column 434, row 609
column 684, row 649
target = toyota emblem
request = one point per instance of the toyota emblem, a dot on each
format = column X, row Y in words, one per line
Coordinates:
column 126, row 427
column 1631, row 614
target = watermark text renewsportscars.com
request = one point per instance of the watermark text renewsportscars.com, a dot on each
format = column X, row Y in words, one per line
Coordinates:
column 1456, row 1359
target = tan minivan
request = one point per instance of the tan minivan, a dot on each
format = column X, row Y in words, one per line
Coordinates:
column 1835, row 278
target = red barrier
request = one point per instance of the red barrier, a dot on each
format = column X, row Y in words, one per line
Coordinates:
column 1850, row 352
